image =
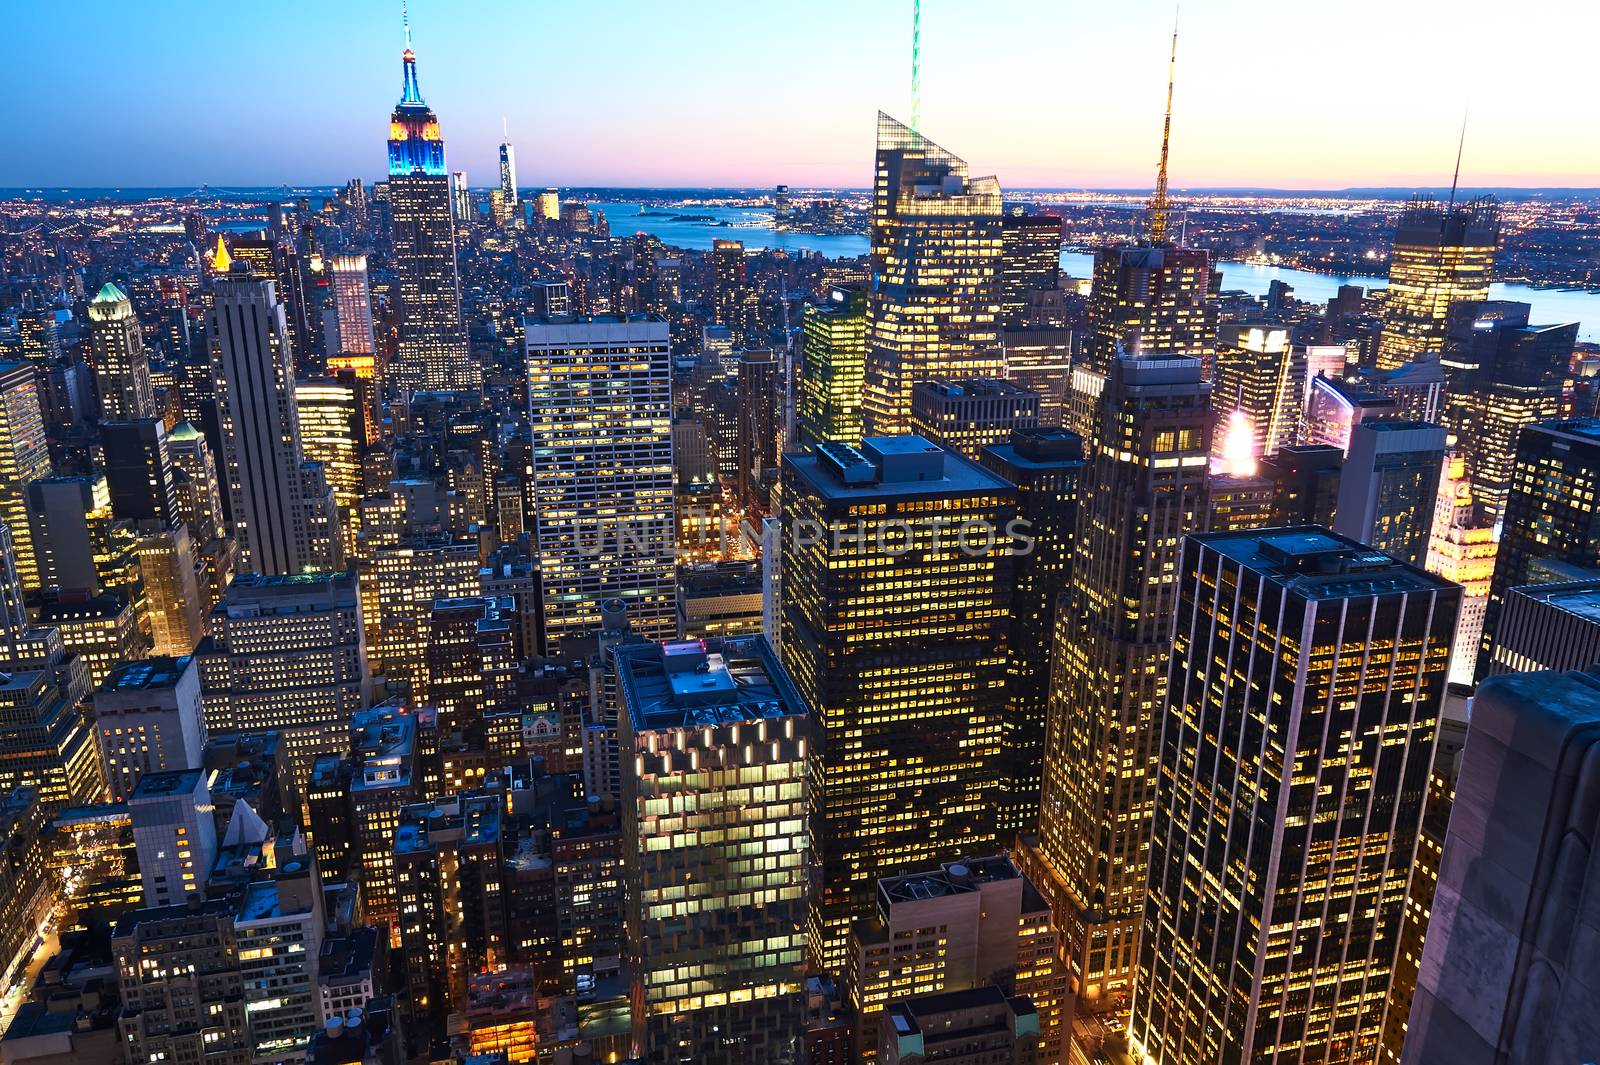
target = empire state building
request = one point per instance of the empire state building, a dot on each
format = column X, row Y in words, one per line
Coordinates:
column 433, row 345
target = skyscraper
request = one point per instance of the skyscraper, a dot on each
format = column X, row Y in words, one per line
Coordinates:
column 508, row 180
column 352, row 301
column 1507, row 977
column 1461, row 549
column 1305, row 684
column 1041, row 360
column 966, row 416
column 833, row 353
column 760, row 420
column 1142, row 489
column 24, row 458
column 1046, row 465
column 275, row 496
column 139, row 471
column 1504, row 375
column 1442, row 255
column 1550, row 512
column 937, row 242
column 600, row 401
column 727, row 284
column 148, row 717
column 332, row 429
column 1389, row 486
column 896, row 564
column 1147, row 299
column 121, row 365
column 1030, row 262
column 433, row 344
column 1255, row 374
column 289, row 654
column 716, row 934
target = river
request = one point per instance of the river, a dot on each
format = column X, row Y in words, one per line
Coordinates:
column 681, row 226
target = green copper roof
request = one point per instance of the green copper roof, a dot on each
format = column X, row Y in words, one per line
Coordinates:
column 109, row 293
column 184, row 431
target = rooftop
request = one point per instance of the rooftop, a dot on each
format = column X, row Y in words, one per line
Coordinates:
column 166, row 784
column 162, row 671
column 1317, row 564
column 1579, row 598
column 694, row 683
column 886, row 467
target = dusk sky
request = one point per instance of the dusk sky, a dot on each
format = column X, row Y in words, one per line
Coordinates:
column 1294, row 94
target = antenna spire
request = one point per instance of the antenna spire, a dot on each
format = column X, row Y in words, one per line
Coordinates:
column 405, row 21
column 1460, row 147
column 1158, row 202
column 916, row 66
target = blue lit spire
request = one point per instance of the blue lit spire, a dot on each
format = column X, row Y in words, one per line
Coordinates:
column 410, row 94
column 416, row 145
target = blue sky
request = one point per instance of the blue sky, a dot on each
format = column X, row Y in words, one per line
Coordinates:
column 1293, row 93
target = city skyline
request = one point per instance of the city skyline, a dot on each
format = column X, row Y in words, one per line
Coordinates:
column 582, row 123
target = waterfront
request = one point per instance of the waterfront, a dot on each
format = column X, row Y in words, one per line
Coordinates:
column 685, row 226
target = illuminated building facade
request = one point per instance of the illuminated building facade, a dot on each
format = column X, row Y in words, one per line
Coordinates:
column 1505, row 375
column 397, row 595
column 833, row 355
column 471, row 662
column 937, row 244
column 508, row 181
column 549, row 204
column 728, row 286
column 24, row 458
column 1552, row 512
column 433, row 344
column 174, row 832
column 332, row 431
column 449, row 867
column 1306, row 679
column 1548, row 626
column 286, row 654
column 1334, row 408
column 45, row 743
column 101, row 629
column 1030, row 261
column 1442, row 255
column 1389, row 486
column 1143, row 488
column 961, row 925
column 1461, row 549
column 281, row 505
column 181, row 985
column 1046, row 465
column 1256, row 373
column 385, row 777
column 894, row 627
column 148, row 717
column 1040, row 360
column 716, row 927
column 28, row 888
column 967, row 416
column 1146, row 300
column 116, row 350
column 352, row 303
column 600, row 397
column 196, row 488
